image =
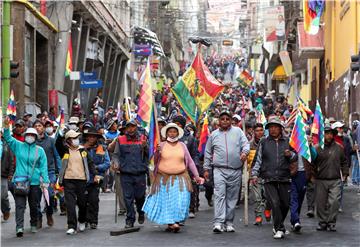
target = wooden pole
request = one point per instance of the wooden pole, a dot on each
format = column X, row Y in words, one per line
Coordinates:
column 246, row 181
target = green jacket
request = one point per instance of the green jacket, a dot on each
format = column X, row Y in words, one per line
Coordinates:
column 25, row 156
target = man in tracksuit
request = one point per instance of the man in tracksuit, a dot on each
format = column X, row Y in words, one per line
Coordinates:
column 330, row 166
column 131, row 158
column 53, row 159
column 272, row 164
column 226, row 150
column 191, row 145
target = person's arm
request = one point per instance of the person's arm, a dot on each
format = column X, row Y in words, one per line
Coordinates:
column 189, row 161
column 60, row 146
column 90, row 162
column 116, row 155
column 343, row 163
column 106, row 164
column 208, row 154
column 43, row 166
column 245, row 144
column 13, row 144
column 57, row 158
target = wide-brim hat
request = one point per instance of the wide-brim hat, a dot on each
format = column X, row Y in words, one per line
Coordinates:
column 110, row 123
column 276, row 121
column 74, row 120
column 71, row 134
column 169, row 126
column 92, row 132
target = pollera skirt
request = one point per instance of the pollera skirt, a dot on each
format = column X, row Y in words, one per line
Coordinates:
column 170, row 199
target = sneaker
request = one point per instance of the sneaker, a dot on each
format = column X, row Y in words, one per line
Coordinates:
column 129, row 225
column 340, row 210
column 82, row 227
column 218, row 229
column 258, row 221
column 93, row 226
column 50, row 220
column 267, row 214
column 6, row 216
column 332, row 228
column 33, row 229
column 210, row 203
column 19, row 232
column 63, row 213
column 71, row 231
column 297, row 227
column 230, row 228
column 39, row 224
column 122, row 212
column 321, row 227
column 279, row 235
column 310, row 213
column 191, row 215
column 141, row 219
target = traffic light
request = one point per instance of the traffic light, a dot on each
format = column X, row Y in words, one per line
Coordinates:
column 355, row 62
column 14, row 73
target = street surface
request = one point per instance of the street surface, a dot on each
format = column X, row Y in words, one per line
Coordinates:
column 197, row 232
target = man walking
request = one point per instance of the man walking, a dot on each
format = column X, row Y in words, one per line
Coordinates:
column 130, row 156
column 272, row 164
column 261, row 205
column 226, row 150
column 330, row 167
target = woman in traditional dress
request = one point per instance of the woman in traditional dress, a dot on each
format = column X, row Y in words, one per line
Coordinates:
column 169, row 198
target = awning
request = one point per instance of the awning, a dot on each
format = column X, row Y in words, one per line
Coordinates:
column 279, row 73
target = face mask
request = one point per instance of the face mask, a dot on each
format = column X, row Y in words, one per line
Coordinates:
column 72, row 126
column 191, row 132
column 49, row 130
column 76, row 142
column 169, row 139
column 29, row 139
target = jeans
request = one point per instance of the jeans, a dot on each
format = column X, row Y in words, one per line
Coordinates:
column 298, row 190
column 134, row 188
column 278, row 194
column 5, row 205
column 75, row 195
column 355, row 174
column 20, row 205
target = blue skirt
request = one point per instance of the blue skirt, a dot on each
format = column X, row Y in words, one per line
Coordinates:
column 170, row 204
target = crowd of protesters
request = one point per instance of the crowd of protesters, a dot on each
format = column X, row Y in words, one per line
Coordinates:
column 69, row 165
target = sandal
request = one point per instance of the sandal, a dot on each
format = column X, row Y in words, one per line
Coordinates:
column 169, row 228
column 176, row 228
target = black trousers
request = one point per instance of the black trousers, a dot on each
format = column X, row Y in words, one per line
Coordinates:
column 20, row 206
column 92, row 203
column 134, row 188
column 194, row 199
column 74, row 191
column 278, row 195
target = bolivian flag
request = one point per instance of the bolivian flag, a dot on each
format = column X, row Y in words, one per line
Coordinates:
column 197, row 88
column 69, row 66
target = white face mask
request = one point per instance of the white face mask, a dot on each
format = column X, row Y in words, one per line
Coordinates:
column 29, row 139
column 72, row 127
column 169, row 139
column 191, row 132
column 76, row 142
column 49, row 130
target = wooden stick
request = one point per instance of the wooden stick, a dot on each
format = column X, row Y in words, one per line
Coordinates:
column 246, row 178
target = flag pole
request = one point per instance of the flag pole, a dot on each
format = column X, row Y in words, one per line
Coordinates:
column 246, row 178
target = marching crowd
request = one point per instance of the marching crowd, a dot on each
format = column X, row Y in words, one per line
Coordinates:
column 68, row 166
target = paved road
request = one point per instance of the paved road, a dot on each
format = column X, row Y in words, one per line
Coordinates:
column 197, row 232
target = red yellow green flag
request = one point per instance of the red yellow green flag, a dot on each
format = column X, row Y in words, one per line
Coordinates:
column 69, row 67
column 197, row 88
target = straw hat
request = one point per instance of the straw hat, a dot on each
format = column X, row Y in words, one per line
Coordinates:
column 171, row 125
